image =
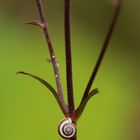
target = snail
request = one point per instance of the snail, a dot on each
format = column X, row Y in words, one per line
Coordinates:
column 67, row 129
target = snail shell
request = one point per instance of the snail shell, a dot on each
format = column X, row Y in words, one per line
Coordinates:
column 67, row 129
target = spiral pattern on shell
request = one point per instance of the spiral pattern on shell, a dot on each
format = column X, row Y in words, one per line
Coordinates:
column 67, row 129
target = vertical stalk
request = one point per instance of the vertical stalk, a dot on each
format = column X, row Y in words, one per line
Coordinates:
column 68, row 59
column 52, row 55
column 68, row 56
column 104, row 48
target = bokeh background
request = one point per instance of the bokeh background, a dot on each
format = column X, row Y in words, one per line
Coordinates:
column 28, row 111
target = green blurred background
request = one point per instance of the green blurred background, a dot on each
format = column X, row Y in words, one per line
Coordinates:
column 27, row 109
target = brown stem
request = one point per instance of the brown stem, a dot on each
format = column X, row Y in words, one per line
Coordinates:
column 52, row 55
column 74, row 138
column 68, row 56
column 104, row 48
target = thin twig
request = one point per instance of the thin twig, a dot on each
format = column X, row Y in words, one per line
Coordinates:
column 104, row 48
column 68, row 56
column 35, row 23
column 52, row 54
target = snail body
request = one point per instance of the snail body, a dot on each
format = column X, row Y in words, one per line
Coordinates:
column 67, row 129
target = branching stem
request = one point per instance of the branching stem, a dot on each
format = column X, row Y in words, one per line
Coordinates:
column 69, row 110
column 104, row 48
column 52, row 54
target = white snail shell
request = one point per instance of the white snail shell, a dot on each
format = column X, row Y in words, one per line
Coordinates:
column 67, row 129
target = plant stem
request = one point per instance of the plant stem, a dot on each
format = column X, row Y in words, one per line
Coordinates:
column 52, row 55
column 68, row 56
column 104, row 48
column 69, row 80
column 74, row 138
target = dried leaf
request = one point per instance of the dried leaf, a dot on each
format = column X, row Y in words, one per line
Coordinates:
column 36, row 23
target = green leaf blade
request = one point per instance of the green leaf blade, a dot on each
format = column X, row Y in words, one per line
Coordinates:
column 78, row 112
column 45, row 83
